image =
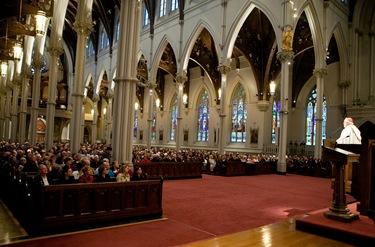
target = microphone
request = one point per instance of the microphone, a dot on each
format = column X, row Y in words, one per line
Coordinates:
column 335, row 131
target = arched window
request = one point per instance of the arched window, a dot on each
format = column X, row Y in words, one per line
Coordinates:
column 174, row 118
column 162, row 9
column 275, row 119
column 146, row 17
column 88, row 48
column 174, row 5
column 239, row 115
column 153, row 123
column 102, row 39
column 117, row 33
column 311, row 118
column 203, row 117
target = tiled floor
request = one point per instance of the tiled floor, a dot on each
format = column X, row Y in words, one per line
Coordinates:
column 10, row 229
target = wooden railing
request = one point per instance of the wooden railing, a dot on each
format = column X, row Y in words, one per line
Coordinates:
column 238, row 168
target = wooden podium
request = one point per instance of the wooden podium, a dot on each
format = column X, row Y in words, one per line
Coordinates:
column 340, row 158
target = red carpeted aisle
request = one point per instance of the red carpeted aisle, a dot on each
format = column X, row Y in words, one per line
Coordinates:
column 198, row 209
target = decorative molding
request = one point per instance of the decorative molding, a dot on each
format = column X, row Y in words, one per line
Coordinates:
column 285, row 56
column 224, row 69
column 319, row 73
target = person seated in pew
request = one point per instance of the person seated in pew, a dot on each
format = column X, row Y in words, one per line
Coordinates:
column 86, row 175
column 138, row 175
column 123, row 175
column 67, row 176
column 42, row 179
column 103, row 175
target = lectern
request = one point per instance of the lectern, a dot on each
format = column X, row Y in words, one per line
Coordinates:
column 339, row 157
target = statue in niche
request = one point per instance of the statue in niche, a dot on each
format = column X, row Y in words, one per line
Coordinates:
column 254, row 135
column 287, row 40
column 161, row 135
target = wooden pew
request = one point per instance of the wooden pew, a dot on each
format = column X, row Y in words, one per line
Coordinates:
column 57, row 206
column 171, row 170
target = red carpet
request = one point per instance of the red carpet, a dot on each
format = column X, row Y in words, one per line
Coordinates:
column 197, row 209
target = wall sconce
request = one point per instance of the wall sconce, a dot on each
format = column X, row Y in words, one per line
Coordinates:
column 92, row 112
column 136, row 106
column 184, row 98
column 219, row 93
column 272, row 88
column 41, row 21
column 17, row 51
column 4, row 68
column 157, row 102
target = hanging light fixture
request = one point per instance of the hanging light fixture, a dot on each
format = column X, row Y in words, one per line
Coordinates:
column 219, row 93
column 272, row 87
column 184, row 98
column 136, row 106
column 41, row 21
column 157, row 103
column 4, row 68
column 17, row 51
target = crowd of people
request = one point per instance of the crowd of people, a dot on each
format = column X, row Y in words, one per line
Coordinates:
column 93, row 163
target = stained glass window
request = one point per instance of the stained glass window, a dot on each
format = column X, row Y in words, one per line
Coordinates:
column 153, row 123
column 239, row 115
column 311, row 118
column 146, row 18
column 174, row 118
column 174, row 5
column 162, row 10
column 203, row 117
column 275, row 119
column 117, row 34
column 102, row 39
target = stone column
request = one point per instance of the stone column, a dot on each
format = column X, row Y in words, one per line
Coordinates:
column 224, row 70
column 55, row 52
column 285, row 57
column 126, row 80
column 95, row 119
column 181, row 79
column 2, row 103
column 83, row 29
column 152, row 87
column 319, row 74
column 14, row 113
column 26, row 75
column 357, row 68
column 371, row 99
column 7, row 127
column 38, row 64
column 108, row 127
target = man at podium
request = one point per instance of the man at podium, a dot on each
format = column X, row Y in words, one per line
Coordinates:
column 350, row 134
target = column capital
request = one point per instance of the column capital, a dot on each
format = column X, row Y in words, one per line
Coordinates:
column 83, row 28
column 344, row 84
column 285, row 56
column 55, row 50
column 319, row 73
column 38, row 62
column 181, row 79
column 110, row 94
column 224, row 69
column 95, row 97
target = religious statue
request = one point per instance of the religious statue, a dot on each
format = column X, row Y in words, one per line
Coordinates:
column 287, row 40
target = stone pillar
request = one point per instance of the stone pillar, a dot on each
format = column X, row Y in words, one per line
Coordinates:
column 285, row 57
column 371, row 99
column 224, row 70
column 357, row 69
column 8, row 109
column 83, row 29
column 26, row 75
column 181, row 79
column 2, row 103
column 126, row 80
column 95, row 119
column 108, row 127
column 14, row 113
column 319, row 74
column 55, row 52
column 152, row 87
column 38, row 64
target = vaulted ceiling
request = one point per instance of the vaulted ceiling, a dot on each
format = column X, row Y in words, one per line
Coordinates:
column 256, row 43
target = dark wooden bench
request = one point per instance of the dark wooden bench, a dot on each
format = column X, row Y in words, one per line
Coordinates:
column 171, row 170
column 57, row 206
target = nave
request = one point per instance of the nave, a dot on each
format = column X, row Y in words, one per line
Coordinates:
column 185, row 223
